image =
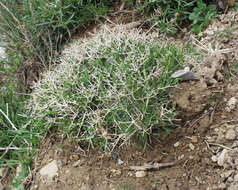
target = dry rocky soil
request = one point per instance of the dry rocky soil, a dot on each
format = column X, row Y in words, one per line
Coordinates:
column 202, row 154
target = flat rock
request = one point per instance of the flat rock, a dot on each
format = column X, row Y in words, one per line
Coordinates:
column 49, row 171
column 191, row 146
column 176, row 144
column 140, row 174
column 231, row 104
column 214, row 158
column 222, row 157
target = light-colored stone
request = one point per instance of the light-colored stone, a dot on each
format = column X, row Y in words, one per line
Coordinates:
column 120, row 162
column 176, row 144
column 49, row 171
column 140, row 174
column 181, row 157
column 231, row 104
column 222, row 157
column 230, row 134
column 77, row 163
column 214, row 158
column 191, row 146
column 194, row 139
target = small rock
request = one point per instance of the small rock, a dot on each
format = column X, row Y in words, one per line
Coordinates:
column 230, row 134
column 120, row 162
column 190, row 157
column 130, row 174
column 194, row 139
column 77, row 163
column 181, row 157
column 231, row 104
column 222, row 157
column 214, row 158
column 49, row 171
column 140, row 174
column 176, row 144
column 191, row 146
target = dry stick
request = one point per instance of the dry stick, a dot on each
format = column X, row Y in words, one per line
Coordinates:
column 197, row 119
column 212, row 114
column 151, row 166
column 230, row 121
column 13, row 126
column 209, row 148
column 7, row 149
column 13, row 148
column 220, row 145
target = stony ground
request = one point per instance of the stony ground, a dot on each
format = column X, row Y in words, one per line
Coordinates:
column 202, row 153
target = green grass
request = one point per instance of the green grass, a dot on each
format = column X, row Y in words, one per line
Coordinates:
column 17, row 139
column 169, row 16
column 37, row 29
column 117, row 91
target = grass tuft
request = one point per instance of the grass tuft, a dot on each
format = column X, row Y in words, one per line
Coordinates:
column 36, row 30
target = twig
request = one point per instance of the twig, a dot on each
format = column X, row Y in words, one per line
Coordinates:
column 151, row 166
column 193, row 123
column 220, row 145
column 209, row 148
column 227, row 122
column 13, row 126
column 13, row 148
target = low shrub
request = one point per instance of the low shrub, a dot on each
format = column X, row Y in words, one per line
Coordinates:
column 116, row 89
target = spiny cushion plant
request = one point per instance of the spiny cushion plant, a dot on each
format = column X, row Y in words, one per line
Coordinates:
column 109, row 89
